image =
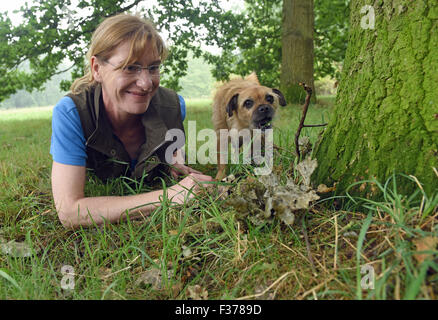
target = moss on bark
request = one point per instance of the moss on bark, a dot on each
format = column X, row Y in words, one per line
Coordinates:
column 385, row 120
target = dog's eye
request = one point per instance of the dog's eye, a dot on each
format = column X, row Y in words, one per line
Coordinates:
column 248, row 103
column 269, row 98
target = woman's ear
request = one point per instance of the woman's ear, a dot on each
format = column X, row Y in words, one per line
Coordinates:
column 96, row 69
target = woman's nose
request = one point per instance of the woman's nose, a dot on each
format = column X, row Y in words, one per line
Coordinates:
column 144, row 80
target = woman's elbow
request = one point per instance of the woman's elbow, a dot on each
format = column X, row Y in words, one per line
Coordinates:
column 67, row 218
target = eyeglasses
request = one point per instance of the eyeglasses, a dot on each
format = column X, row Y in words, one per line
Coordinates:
column 135, row 69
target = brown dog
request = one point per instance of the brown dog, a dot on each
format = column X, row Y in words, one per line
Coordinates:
column 243, row 103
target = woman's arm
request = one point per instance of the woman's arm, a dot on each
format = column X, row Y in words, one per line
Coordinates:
column 74, row 209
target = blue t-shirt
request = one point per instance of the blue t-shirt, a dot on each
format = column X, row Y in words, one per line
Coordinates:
column 68, row 141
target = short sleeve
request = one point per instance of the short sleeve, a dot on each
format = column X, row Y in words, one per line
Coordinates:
column 68, row 141
column 182, row 103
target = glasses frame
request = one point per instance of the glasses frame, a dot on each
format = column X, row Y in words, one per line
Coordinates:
column 138, row 69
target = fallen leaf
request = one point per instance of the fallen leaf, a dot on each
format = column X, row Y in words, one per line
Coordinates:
column 306, row 168
column 223, row 190
column 173, row 232
column 425, row 244
column 230, row 178
column 322, row 188
column 196, row 292
column 187, row 252
column 176, row 289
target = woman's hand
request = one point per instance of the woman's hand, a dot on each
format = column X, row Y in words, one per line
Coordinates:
column 179, row 168
column 188, row 187
column 182, row 170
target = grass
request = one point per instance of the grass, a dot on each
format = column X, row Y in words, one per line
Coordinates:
column 205, row 243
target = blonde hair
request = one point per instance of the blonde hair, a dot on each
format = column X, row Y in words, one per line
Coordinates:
column 111, row 33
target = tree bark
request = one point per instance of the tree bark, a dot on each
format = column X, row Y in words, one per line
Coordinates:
column 385, row 119
column 297, row 49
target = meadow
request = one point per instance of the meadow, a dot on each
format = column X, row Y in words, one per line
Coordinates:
column 360, row 248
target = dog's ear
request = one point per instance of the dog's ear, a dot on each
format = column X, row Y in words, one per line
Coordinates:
column 280, row 96
column 232, row 105
column 253, row 78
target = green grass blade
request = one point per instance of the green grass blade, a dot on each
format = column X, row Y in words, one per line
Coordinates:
column 6, row 276
column 414, row 286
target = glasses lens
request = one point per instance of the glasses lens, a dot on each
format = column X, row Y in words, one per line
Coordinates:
column 132, row 69
column 136, row 69
column 154, row 70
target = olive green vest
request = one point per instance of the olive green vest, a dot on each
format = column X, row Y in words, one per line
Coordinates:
column 107, row 156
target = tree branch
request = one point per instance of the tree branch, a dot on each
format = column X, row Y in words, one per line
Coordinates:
column 303, row 118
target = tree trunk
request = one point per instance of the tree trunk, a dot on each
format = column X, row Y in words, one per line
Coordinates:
column 297, row 49
column 386, row 115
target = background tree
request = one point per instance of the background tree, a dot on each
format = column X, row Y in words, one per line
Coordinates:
column 297, row 49
column 257, row 46
column 386, row 118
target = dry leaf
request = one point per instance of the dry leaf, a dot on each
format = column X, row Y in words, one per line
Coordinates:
column 223, row 190
column 173, row 232
column 322, row 188
column 196, row 292
column 306, row 168
column 187, row 252
column 425, row 244
column 230, row 178
column 176, row 289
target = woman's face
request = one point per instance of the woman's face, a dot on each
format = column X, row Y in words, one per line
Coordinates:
column 124, row 93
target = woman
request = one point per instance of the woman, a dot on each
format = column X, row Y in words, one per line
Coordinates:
column 114, row 122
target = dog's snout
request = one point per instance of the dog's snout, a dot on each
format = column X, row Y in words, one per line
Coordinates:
column 264, row 108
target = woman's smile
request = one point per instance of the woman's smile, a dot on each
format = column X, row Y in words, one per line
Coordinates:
column 138, row 93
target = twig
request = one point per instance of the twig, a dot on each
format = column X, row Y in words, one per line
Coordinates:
column 267, row 289
column 303, row 117
column 294, row 251
column 354, row 248
column 316, row 287
column 111, row 274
